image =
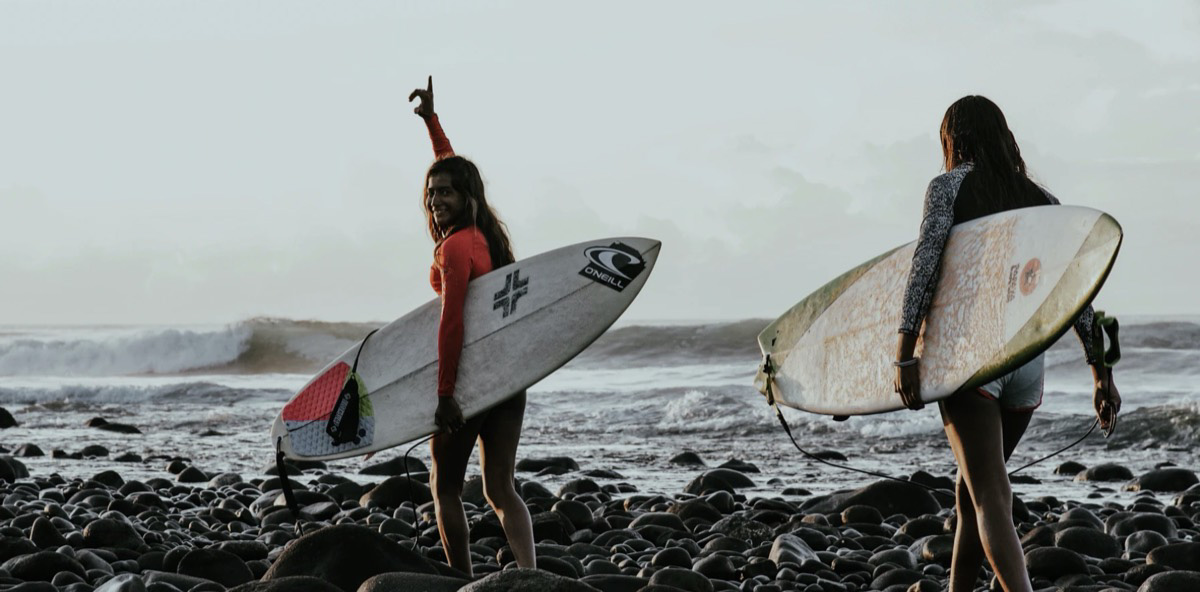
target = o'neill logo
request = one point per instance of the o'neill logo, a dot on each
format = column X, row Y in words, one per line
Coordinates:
column 614, row 266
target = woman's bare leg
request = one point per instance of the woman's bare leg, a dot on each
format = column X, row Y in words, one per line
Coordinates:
column 450, row 454
column 968, row 551
column 974, row 427
column 498, row 439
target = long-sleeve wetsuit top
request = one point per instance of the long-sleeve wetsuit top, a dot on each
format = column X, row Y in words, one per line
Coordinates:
column 441, row 144
column 462, row 257
column 944, row 209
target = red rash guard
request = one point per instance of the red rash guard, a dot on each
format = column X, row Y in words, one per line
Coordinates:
column 462, row 257
column 441, row 144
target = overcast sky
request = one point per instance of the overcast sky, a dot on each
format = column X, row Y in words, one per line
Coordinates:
column 205, row 162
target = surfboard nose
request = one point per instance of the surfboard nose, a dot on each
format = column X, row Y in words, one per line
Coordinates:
column 1107, row 229
column 648, row 247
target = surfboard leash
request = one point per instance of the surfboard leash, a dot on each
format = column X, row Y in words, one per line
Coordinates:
column 1104, row 325
column 281, row 467
column 1095, row 423
column 768, row 371
column 408, row 475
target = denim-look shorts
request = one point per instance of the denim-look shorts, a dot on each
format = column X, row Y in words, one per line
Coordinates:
column 1021, row 389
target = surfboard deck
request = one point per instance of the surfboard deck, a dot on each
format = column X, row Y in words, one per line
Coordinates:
column 1011, row 284
column 522, row 322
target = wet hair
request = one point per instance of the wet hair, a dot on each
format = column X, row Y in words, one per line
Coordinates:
column 974, row 130
column 466, row 180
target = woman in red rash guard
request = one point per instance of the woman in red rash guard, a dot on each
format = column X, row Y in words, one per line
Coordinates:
column 471, row 240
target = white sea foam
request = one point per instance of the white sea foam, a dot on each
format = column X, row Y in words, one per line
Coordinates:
column 112, row 353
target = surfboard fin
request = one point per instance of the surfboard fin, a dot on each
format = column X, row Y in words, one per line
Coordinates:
column 343, row 418
column 762, row 380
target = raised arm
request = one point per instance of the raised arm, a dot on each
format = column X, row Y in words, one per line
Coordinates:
column 424, row 109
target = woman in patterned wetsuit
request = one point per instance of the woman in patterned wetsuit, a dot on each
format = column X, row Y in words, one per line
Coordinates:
column 984, row 175
column 471, row 240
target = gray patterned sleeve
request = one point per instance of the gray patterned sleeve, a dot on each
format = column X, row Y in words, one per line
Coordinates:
column 936, row 222
column 1085, row 325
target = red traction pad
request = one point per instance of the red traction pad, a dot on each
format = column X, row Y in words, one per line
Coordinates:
column 317, row 399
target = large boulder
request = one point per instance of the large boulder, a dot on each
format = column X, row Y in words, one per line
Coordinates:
column 1170, row 480
column 526, row 580
column 288, row 584
column 42, row 566
column 12, row 469
column 1127, row 524
column 106, row 532
column 534, row 465
column 790, row 548
column 615, row 582
column 742, row 528
column 1173, row 581
column 126, row 582
column 659, row 519
column 687, row 458
column 682, row 579
column 44, row 534
column 1144, row 541
column 552, row 526
column 888, row 496
column 1087, row 541
column 222, row 567
column 1181, row 556
column 14, row 547
column 936, row 548
column 395, row 491
column 397, row 466
column 1105, row 472
column 1070, row 468
column 695, row 508
column 346, row 555
column 1054, row 562
column 394, row 582
column 718, row 480
column 180, row 581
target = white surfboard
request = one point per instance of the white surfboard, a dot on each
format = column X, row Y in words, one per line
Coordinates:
column 1011, row 284
column 522, row 322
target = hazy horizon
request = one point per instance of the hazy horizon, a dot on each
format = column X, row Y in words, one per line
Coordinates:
column 205, row 163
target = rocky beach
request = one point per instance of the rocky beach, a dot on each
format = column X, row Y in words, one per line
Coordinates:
column 649, row 463
column 191, row 531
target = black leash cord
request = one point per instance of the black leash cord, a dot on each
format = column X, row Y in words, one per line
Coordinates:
column 788, row 431
column 408, row 475
column 1059, row 451
column 281, row 468
column 768, row 370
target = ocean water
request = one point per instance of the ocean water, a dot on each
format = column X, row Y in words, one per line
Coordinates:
column 641, row 394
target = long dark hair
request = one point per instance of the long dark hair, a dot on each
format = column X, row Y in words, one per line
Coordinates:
column 466, row 180
column 974, row 130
